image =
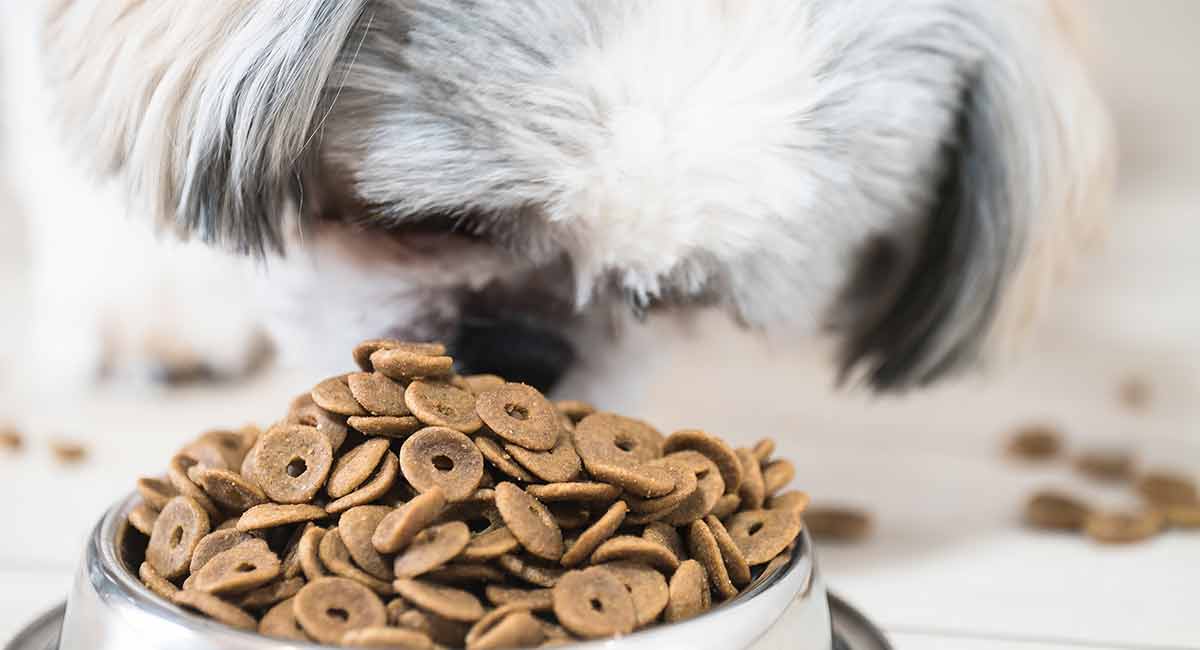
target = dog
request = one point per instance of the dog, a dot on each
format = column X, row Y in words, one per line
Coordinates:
column 523, row 179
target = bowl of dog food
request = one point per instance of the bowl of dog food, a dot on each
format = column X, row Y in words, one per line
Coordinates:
column 405, row 506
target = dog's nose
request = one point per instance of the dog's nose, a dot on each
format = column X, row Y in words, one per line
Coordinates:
column 514, row 349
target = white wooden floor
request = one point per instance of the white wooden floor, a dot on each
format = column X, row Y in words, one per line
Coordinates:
column 949, row 567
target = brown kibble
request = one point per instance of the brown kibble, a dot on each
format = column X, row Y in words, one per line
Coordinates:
column 685, row 486
column 1163, row 488
column 703, row 547
column 763, row 449
column 1105, row 464
column 595, row 535
column 11, row 438
column 334, row 396
column 731, row 553
column 354, row 467
column 726, row 506
column 532, row 571
column 68, row 451
column 753, row 490
column 594, row 603
column 1183, row 515
column 665, row 534
column 271, row 593
column 330, row 425
column 218, row 541
column 375, row 487
column 247, row 566
column 386, row 637
column 442, row 405
column 463, row 573
column 713, row 448
column 837, row 524
column 502, row 460
column 763, row 534
column 776, row 475
column 646, row 585
column 401, row 525
column 336, row 558
column 291, row 463
column 557, row 465
column 329, row 607
column 407, row 364
column 156, row 492
column 482, row 383
column 709, row 487
column 1055, row 511
column 227, row 488
column 603, row 439
column 214, row 608
column 793, row 500
column 521, row 415
column 445, row 458
column 280, row 622
column 363, row 351
column 1035, row 442
column 506, row 627
column 177, row 531
column 378, row 394
column 1123, row 527
column 574, row 409
column 308, row 552
column 385, row 425
column 687, row 592
column 447, row 602
column 357, row 527
column 586, row 491
column 270, row 515
column 142, row 518
column 490, row 545
column 636, row 549
column 432, row 548
column 534, row 600
column 155, row 582
column 529, row 521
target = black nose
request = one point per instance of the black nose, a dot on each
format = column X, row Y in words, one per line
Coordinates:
column 514, row 349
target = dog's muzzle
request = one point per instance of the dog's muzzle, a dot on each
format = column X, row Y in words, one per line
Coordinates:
column 518, row 350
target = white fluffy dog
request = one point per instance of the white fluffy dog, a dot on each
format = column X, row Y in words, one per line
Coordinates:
column 513, row 176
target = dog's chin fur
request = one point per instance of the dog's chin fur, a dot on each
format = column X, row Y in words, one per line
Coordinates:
column 906, row 174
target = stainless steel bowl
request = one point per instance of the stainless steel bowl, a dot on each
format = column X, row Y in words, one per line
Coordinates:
column 108, row 608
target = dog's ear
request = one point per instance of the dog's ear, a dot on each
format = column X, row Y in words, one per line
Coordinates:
column 207, row 111
column 1027, row 174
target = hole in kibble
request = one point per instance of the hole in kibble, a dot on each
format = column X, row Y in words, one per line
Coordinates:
column 755, row 527
column 596, row 604
column 624, row 444
column 176, row 536
column 444, row 410
column 478, row 524
column 516, row 411
column 244, row 567
column 296, row 467
column 443, row 463
column 338, row 613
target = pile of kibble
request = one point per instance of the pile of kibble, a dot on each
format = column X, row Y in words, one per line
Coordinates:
column 1168, row 499
column 406, row 506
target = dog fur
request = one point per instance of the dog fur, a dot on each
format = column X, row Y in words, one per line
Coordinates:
column 909, row 176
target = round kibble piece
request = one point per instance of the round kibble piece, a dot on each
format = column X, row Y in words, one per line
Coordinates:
column 777, row 474
column 334, row 396
column 1054, row 510
column 665, row 534
column 715, row 449
column 594, row 603
column 280, row 622
column 703, row 547
column 407, row 364
column 521, row 415
column 247, row 566
column 763, row 449
column 643, row 480
column 447, row 602
column 557, row 465
column 763, row 534
column 155, row 582
column 308, row 551
column 214, row 608
column 647, row 586
column 837, row 524
column 529, row 521
column 442, row 405
column 271, row 593
column 502, row 460
column 292, row 463
column 355, row 466
column 336, row 558
column 330, row 425
column 574, row 409
column 142, row 517
column 357, row 527
column 685, row 486
column 216, row 542
column 432, row 548
column 329, row 607
column 607, row 439
column 535, row 600
column 386, row 637
column 1165, row 488
column 227, row 488
column 363, row 351
column 270, row 515
column 529, row 570
column 177, row 531
column 753, row 490
column 378, row 394
column 725, row 506
column 461, row 573
column 793, row 500
column 686, row 592
column 1105, row 464
column 735, row 561
column 1183, row 515
column 709, row 487
column 156, row 492
column 375, row 487
column 401, row 525
column 595, row 535
column 482, row 383
column 1035, row 442
column 177, row 473
column 508, row 629
column 636, row 549
column 385, row 425
column 437, row 456
column 1123, row 527
column 575, row 491
column 490, row 545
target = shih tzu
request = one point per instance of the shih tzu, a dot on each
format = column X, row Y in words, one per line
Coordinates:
column 518, row 176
